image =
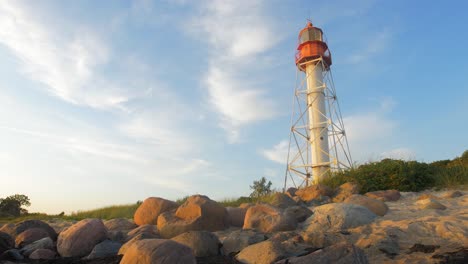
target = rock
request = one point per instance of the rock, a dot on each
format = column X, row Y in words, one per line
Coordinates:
column 9, row 229
column 106, row 248
column 236, row 216
column 344, row 191
column 320, row 200
column 312, row 192
column 44, row 243
column 12, row 254
column 148, row 212
column 149, row 231
column 376, row 206
column 265, row 252
column 140, row 233
column 281, row 200
column 197, row 213
column 158, row 251
column 6, row 242
column 28, row 224
column 120, row 224
column 430, row 203
column 43, row 254
column 29, row 236
column 386, row 196
column 266, row 218
column 338, row 216
column 291, row 191
column 117, row 236
column 427, row 195
column 452, row 194
column 80, row 239
column 240, row 239
column 300, row 213
column 202, row 243
column 319, row 239
column 340, row 254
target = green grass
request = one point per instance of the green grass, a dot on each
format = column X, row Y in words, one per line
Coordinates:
column 110, row 212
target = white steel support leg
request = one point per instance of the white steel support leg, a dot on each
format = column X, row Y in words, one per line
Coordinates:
column 318, row 121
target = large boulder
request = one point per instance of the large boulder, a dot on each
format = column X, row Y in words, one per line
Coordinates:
column 338, row 216
column 6, row 242
column 134, row 239
column 344, row 191
column 322, row 239
column 158, row 251
column 240, row 239
column 266, row 218
column 236, row 216
column 340, row 254
column 202, row 243
column 197, row 213
column 106, row 248
column 386, row 196
column 9, row 229
column 313, row 192
column 148, row 212
column 29, row 236
column 281, row 200
column 120, row 224
column 28, row 224
column 44, row 243
column 80, row 239
column 376, row 206
column 265, row 252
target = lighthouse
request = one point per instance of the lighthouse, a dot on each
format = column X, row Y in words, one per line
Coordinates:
column 318, row 145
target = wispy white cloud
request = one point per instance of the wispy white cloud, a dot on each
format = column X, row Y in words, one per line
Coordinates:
column 278, row 153
column 238, row 32
column 64, row 62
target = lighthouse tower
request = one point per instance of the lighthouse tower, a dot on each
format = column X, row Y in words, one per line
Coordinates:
column 317, row 144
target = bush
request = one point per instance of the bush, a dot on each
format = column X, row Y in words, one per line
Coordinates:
column 260, row 188
column 386, row 174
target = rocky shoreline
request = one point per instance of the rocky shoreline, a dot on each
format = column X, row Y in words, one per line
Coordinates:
column 312, row 225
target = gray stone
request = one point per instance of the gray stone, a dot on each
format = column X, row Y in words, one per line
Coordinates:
column 45, row 243
column 106, row 248
column 238, row 240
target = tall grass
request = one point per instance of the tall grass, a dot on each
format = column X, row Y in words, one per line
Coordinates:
column 110, row 212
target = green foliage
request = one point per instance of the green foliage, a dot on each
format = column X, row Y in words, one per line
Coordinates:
column 182, row 200
column 387, row 174
column 235, row 202
column 110, row 212
column 12, row 205
column 260, row 188
column 405, row 175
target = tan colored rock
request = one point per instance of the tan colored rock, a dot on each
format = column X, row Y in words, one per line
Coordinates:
column 148, row 212
column 313, row 192
column 236, row 216
column 119, row 224
column 340, row 254
column 430, row 203
column 197, row 213
column 376, row 206
column 135, row 238
column 80, row 239
column 46, row 254
column 240, row 239
column 29, row 236
column 266, row 252
column 337, row 217
column 202, row 243
column 147, row 230
column 158, row 251
column 344, row 191
column 267, row 218
column 386, row 196
column 320, row 239
column 28, row 224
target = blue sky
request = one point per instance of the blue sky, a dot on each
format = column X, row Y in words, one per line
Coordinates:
column 110, row 102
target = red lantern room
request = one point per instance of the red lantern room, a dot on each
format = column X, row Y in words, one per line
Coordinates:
column 311, row 46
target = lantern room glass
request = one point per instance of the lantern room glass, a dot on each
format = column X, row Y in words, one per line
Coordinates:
column 311, row 34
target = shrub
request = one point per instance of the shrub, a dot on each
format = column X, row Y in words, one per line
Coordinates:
column 260, row 188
